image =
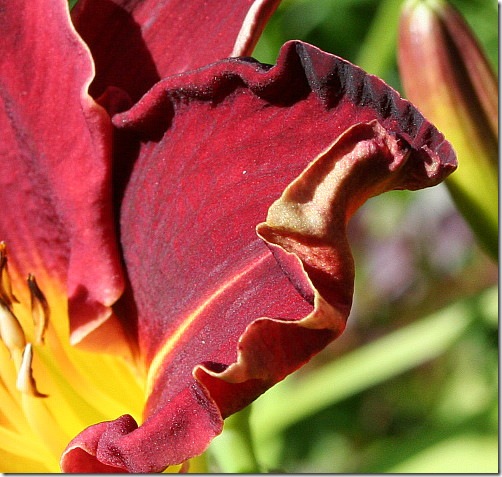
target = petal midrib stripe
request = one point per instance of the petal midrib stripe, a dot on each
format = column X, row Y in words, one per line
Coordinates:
column 162, row 356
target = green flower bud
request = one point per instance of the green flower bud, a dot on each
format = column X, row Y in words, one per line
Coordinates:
column 445, row 73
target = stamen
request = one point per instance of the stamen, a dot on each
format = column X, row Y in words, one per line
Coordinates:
column 5, row 284
column 25, row 380
column 11, row 333
column 39, row 309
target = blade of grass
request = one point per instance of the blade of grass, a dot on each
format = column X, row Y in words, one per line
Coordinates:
column 377, row 52
column 233, row 449
column 463, row 453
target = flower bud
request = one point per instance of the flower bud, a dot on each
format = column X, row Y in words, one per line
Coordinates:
column 446, row 75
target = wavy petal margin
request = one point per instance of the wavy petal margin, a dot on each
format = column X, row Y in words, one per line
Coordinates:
column 135, row 43
column 55, row 158
column 233, row 230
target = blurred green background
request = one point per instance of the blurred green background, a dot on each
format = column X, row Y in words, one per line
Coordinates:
column 412, row 384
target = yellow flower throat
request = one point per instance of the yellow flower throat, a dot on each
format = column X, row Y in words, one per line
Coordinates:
column 49, row 390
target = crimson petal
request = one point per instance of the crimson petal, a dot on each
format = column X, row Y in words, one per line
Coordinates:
column 55, row 158
column 135, row 43
column 224, row 312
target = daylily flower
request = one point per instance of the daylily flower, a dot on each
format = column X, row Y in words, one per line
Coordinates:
column 446, row 74
column 194, row 241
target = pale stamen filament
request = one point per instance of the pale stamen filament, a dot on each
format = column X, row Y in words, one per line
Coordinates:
column 11, row 331
column 25, row 380
column 12, row 334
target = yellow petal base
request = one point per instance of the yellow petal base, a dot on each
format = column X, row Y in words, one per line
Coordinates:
column 74, row 388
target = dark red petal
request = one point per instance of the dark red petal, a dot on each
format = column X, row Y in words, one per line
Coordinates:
column 136, row 43
column 55, row 163
column 172, row 434
column 292, row 151
column 76, row 458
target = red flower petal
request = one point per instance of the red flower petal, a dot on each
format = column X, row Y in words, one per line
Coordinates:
column 225, row 313
column 136, row 43
column 55, row 161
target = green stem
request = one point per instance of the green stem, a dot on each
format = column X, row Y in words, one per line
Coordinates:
column 378, row 49
column 233, row 450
